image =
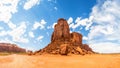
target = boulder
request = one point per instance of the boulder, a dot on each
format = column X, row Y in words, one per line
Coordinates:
column 64, row 49
column 29, row 52
column 79, row 50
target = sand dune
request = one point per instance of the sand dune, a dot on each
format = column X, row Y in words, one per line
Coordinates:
column 58, row 61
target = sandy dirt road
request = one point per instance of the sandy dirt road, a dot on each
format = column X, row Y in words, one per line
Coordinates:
column 57, row 61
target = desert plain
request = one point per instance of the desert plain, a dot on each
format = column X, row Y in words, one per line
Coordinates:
column 58, row 61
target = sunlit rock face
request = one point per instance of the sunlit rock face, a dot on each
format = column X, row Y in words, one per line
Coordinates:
column 63, row 42
column 76, row 38
column 61, row 31
column 7, row 47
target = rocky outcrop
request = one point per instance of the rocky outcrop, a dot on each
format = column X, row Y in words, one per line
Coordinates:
column 29, row 52
column 63, row 42
column 7, row 47
column 86, row 47
column 64, row 49
column 61, row 31
column 76, row 38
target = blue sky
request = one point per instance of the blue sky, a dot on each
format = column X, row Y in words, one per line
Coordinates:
column 30, row 23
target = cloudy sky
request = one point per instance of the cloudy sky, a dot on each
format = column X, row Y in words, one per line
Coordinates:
column 30, row 23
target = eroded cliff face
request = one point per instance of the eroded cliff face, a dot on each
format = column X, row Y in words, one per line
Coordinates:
column 76, row 38
column 61, row 31
column 63, row 42
column 7, row 47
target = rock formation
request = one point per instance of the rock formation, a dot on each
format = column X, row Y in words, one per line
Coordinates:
column 63, row 49
column 63, row 42
column 76, row 38
column 7, row 47
column 61, row 31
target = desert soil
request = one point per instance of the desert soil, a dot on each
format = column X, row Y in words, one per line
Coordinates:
column 58, row 61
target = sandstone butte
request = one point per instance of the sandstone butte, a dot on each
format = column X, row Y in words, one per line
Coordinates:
column 63, row 42
column 7, row 47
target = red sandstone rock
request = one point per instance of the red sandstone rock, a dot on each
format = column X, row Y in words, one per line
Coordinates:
column 7, row 47
column 61, row 31
column 86, row 47
column 29, row 52
column 80, row 50
column 62, row 42
column 76, row 38
column 64, row 49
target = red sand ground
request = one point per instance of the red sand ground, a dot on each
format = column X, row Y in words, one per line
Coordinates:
column 57, row 61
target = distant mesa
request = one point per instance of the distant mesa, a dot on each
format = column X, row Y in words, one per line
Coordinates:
column 63, row 42
column 7, row 47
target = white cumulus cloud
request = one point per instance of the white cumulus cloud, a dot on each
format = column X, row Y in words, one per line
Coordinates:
column 87, row 22
column 104, row 35
column 85, row 38
column 7, row 8
column 6, row 40
column 1, row 28
column 11, row 25
column 40, row 38
column 106, row 47
column 3, row 33
column 40, row 24
column 30, row 3
column 18, row 32
column 31, row 34
column 70, row 20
